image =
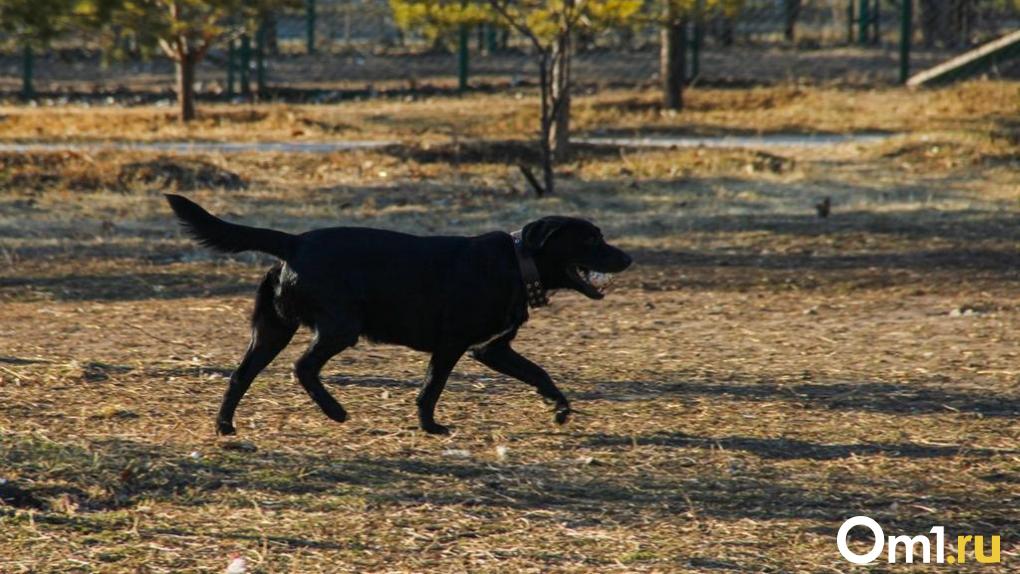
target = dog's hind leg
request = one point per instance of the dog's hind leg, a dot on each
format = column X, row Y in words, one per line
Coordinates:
column 440, row 367
column 329, row 340
column 269, row 335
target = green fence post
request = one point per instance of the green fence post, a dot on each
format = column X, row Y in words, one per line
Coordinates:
column 862, row 22
column 850, row 22
column 260, row 59
column 462, row 59
column 876, row 19
column 27, row 72
column 231, row 68
column 906, row 35
column 698, row 39
column 310, row 26
column 245, row 65
column 490, row 39
column 691, row 39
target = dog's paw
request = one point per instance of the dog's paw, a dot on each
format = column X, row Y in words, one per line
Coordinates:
column 435, row 428
column 224, row 428
column 562, row 415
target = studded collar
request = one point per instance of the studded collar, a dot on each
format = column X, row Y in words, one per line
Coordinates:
column 537, row 296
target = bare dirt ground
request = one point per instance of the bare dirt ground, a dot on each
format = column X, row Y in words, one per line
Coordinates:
column 761, row 374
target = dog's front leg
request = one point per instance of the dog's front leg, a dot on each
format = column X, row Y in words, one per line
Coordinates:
column 440, row 367
column 500, row 357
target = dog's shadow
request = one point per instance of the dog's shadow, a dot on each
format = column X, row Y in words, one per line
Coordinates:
column 912, row 397
column 789, row 449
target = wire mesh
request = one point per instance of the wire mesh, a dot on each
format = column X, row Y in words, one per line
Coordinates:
column 328, row 50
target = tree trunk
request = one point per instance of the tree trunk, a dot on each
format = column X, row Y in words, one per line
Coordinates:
column 185, row 65
column 559, row 136
column 545, row 125
column 672, row 56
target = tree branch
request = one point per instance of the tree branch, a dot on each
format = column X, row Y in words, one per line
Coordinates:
column 527, row 32
column 532, row 180
column 169, row 50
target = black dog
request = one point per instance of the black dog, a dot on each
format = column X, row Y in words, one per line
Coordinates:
column 441, row 295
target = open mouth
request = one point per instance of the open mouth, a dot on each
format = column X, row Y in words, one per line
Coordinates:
column 594, row 283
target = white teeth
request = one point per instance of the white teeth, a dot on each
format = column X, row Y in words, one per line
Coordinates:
column 599, row 280
column 596, row 279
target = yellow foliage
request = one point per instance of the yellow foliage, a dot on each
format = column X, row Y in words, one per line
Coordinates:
column 607, row 13
column 728, row 8
column 436, row 19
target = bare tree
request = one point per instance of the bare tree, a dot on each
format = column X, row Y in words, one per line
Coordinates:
column 185, row 30
column 550, row 27
column 551, row 40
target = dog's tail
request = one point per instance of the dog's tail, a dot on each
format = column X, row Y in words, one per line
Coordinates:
column 220, row 235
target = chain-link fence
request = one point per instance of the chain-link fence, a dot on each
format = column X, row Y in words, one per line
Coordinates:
column 329, row 50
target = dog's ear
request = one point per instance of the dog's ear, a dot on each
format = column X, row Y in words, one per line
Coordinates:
column 535, row 234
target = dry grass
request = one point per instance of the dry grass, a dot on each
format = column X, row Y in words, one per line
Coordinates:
column 760, row 376
column 976, row 107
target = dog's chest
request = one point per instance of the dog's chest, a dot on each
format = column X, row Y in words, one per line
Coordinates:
column 492, row 325
column 485, row 343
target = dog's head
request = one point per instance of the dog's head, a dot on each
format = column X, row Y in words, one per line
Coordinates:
column 571, row 253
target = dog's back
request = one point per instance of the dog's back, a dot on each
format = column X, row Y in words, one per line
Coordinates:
column 398, row 288
column 403, row 288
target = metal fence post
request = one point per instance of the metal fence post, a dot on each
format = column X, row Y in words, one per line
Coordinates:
column 462, row 57
column 27, row 72
column 862, row 22
column 310, row 26
column 490, row 39
column 231, row 67
column 698, row 39
column 260, row 58
column 876, row 20
column 906, row 35
column 850, row 22
column 347, row 24
column 245, row 67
